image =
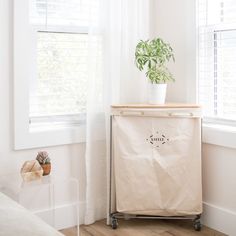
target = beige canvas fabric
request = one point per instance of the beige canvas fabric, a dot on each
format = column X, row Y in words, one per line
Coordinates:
column 157, row 165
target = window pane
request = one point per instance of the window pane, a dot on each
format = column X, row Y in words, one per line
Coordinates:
column 62, row 74
column 217, row 74
column 63, row 13
column 226, row 73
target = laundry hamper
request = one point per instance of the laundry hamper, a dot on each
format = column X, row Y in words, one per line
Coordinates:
column 155, row 163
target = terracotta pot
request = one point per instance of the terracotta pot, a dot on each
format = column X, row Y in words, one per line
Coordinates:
column 46, row 168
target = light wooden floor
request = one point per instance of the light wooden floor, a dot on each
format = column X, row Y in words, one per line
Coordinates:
column 143, row 228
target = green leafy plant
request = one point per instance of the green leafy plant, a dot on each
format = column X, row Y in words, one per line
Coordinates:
column 153, row 55
column 43, row 158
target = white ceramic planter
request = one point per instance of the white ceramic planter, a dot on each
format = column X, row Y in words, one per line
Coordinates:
column 157, row 93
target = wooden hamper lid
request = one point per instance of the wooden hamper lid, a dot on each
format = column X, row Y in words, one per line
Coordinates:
column 166, row 105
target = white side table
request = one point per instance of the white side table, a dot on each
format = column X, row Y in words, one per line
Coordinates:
column 55, row 200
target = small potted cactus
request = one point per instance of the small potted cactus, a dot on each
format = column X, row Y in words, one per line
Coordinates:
column 44, row 161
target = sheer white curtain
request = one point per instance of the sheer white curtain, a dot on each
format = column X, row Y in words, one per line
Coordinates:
column 113, row 78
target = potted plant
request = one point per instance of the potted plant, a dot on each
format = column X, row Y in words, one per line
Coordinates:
column 153, row 55
column 44, row 161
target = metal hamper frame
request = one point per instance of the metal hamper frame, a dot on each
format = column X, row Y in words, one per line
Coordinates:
column 112, row 217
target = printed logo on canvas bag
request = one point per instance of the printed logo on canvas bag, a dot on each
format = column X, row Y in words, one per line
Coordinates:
column 157, row 139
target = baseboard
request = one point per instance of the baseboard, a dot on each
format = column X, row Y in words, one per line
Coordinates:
column 220, row 219
column 63, row 216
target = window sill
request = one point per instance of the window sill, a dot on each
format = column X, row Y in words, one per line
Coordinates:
column 221, row 135
column 37, row 137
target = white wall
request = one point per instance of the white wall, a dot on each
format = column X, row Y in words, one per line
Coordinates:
column 175, row 23
column 65, row 159
column 219, row 188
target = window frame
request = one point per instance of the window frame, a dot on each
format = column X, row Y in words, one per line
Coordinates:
column 213, row 30
column 24, row 66
column 215, row 131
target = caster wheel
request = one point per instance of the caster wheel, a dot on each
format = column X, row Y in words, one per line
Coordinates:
column 197, row 225
column 114, row 223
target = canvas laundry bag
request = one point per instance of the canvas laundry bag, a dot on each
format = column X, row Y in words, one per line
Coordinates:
column 157, row 165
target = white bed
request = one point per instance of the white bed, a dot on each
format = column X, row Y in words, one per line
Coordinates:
column 16, row 220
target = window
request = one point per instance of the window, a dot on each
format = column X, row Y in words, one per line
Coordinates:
column 51, row 70
column 217, row 60
column 59, row 82
column 61, row 86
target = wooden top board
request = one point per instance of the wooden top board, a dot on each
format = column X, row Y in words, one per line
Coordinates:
column 166, row 105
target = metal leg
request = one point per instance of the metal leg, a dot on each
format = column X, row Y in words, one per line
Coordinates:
column 109, row 220
column 114, row 222
column 197, row 223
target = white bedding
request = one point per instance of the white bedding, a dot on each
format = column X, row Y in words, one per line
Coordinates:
column 17, row 221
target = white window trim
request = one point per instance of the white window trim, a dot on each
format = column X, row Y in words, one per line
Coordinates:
column 24, row 138
column 220, row 135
